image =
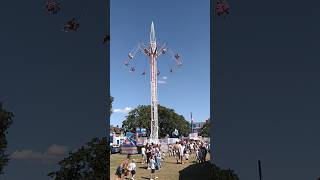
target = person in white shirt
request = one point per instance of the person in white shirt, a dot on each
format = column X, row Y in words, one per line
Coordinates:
column 186, row 155
column 158, row 159
column 197, row 155
column 153, row 168
column 176, row 149
column 181, row 152
column 143, row 153
column 191, row 148
column 132, row 168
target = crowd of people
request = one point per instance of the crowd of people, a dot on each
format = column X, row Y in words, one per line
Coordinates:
column 152, row 155
column 182, row 150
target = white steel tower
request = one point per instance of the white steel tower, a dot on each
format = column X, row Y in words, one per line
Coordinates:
column 153, row 52
column 154, row 89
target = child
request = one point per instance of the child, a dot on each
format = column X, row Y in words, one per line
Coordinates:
column 132, row 168
column 153, row 168
column 187, row 155
column 163, row 156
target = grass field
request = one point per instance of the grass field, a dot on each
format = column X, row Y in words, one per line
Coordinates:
column 170, row 169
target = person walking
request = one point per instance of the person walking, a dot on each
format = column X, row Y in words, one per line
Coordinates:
column 181, row 152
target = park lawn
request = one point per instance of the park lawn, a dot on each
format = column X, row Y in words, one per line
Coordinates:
column 170, row 169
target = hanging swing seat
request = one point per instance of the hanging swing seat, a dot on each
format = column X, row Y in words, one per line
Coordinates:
column 53, row 6
column 72, row 25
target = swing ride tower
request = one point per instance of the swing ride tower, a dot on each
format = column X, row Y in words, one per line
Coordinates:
column 154, row 86
column 152, row 51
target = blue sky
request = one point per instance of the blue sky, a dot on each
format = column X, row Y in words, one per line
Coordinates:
column 184, row 25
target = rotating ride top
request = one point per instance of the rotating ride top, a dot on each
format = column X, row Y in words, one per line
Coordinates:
column 152, row 51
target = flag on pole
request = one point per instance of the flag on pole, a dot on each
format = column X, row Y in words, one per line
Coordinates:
column 191, row 121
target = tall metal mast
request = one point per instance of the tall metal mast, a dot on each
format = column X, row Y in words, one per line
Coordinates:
column 154, row 89
column 153, row 52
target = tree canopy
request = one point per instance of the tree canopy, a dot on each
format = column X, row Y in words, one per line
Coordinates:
column 6, row 119
column 110, row 101
column 205, row 130
column 88, row 162
column 222, row 174
column 169, row 120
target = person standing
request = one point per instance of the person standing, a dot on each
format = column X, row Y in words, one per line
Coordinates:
column 199, row 154
column 148, row 152
column 191, row 148
column 205, row 151
column 181, row 152
column 143, row 154
column 176, row 149
column 170, row 150
column 186, row 155
column 153, row 168
column 158, row 159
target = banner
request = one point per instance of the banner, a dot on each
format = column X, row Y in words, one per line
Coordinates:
column 141, row 131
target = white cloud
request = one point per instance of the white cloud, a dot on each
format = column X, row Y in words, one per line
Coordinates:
column 162, row 82
column 56, row 150
column 53, row 153
column 26, row 154
column 123, row 111
column 164, row 77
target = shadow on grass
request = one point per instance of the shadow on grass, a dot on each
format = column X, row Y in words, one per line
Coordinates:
column 196, row 171
column 172, row 163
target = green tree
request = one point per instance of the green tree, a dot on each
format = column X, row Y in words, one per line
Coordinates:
column 6, row 119
column 110, row 101
column 205, row 130
column 222, row 174
column 168, row 120
column 88, row 162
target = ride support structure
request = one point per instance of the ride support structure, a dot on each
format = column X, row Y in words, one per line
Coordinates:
column 154, row 86
column 153, row 51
